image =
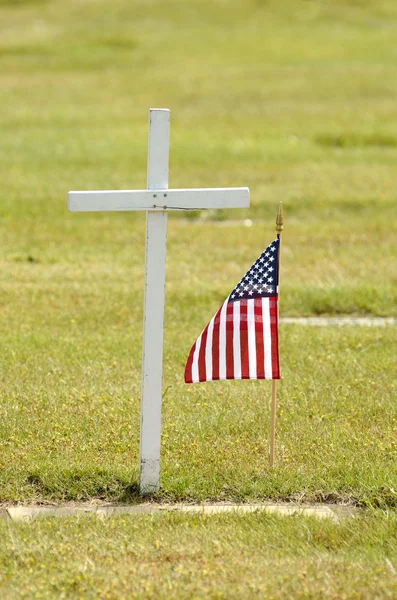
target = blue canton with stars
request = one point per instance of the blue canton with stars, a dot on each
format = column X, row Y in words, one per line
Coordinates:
column 261, row 280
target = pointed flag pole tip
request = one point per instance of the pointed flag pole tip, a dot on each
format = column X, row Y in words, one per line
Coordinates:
column 280, row 219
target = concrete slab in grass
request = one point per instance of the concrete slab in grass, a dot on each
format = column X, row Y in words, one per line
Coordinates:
column 340, row 321
column 34, row 512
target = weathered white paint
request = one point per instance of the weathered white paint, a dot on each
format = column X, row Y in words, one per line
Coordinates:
column 162, row 199
column 153, row 314
column 157, row 200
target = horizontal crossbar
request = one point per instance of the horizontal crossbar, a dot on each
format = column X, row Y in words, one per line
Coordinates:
column 155, row 200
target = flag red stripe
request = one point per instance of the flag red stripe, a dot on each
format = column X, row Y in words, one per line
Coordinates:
column 229, row 342
column 215, row 346
column 201, row 357
column 244, row 339
column 274, row 336
column 188, row 368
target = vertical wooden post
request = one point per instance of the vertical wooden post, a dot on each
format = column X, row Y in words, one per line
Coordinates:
column 153, row 323
column 156, row 204
column 273, row 412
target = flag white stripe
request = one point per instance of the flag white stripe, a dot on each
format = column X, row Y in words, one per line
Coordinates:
column 267, row 338
column 195, row 370
column 222, row 342
column 236, row 340
column 208, row 351
column 251, row 340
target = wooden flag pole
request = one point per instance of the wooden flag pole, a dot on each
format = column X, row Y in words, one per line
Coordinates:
column 279, row 228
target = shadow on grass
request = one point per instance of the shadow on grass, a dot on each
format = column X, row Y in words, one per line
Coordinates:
column 83, row 485
column 357, row 140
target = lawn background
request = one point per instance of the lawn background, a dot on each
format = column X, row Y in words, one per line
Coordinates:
column 296, row 100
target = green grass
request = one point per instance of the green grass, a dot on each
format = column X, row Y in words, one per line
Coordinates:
column 264, row 104
column 294, row 99
column 70, row 423
column 186, row 556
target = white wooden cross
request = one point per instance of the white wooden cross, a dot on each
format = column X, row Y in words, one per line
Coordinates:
column 157, row 200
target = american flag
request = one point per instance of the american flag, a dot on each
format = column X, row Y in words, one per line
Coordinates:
column 241, row 340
